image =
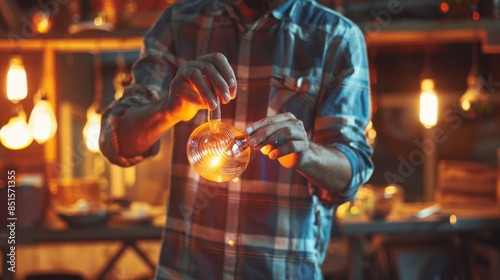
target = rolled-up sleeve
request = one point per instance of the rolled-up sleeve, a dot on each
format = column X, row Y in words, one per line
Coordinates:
column 344, row 114
column 108, row 140
column 152, row 76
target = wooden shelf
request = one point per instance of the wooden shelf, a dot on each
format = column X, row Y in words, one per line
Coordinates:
column 396, row 32
column 111, row 42
column 486, row 31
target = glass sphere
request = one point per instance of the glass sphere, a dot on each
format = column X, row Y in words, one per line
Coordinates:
column 380, row 201
column 217, row 151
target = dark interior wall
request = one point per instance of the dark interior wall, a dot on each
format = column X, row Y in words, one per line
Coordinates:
column 78, row 78
column 399, row 69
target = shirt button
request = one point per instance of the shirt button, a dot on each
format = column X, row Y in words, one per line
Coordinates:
column 231, row 243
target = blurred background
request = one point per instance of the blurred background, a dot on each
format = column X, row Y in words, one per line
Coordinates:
column 435, row 131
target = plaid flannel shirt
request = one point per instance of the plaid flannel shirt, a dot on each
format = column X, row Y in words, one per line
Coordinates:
column 301, row 58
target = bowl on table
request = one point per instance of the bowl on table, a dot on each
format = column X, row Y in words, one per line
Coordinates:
column 80, row 202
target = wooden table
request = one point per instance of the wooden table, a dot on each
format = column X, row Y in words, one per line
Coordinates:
column 402, row 223
column 127, row 234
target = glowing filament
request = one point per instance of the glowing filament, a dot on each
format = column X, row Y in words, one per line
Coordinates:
column 17, row 84
column 428, row 104
column 43, row 121
column 92, row 130
column 16, row 134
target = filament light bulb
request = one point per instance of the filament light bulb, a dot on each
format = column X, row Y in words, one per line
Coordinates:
column 17, row 84
column 428, row 104
column 43, row 121
column 92, row 130
column 16, row 134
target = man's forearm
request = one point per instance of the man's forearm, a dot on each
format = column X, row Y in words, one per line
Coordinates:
column 328, row 168
column 141, row 127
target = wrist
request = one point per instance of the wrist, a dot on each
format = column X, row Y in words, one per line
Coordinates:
column 308, row 158
column 164, row 114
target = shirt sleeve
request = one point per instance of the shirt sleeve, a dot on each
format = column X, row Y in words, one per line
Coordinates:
column 152, row 76
column 344, row 114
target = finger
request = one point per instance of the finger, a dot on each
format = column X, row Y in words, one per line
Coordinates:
column 213, row 79
column 224, row 69
column 277, row 133
column 274, row 135
column 269, row 121
column 286, row 149
column 195, row 78
column 184, row 91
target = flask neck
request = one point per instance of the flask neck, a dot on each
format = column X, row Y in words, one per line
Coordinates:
column 215, row 115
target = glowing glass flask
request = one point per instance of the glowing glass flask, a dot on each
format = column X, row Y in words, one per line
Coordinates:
column 216, row 150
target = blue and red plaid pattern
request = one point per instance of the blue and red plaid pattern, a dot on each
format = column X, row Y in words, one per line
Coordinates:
column 301, row 58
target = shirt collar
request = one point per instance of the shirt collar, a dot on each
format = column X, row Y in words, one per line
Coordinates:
column 284, row 11
column 216, row 7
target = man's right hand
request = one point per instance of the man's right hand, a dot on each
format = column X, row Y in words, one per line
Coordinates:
column 198, row 83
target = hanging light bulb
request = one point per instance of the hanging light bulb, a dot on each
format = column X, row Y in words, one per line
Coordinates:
column 92, row 129
column 43, row 120
column 476, row 101
column 42, row 22
column 16, row 134
column 428, row 104
column 17, row 84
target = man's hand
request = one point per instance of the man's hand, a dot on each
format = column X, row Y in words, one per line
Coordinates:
column 281, row 137
column 198, row 83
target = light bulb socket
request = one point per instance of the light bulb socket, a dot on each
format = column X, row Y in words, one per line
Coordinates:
column 43, row 96
column 18, row 110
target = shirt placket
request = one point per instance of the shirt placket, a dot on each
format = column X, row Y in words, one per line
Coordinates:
column 232, row 214
column 232, row 235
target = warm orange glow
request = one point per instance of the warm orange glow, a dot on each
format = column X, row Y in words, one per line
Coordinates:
column 465, row 105
column 42, row 22
column 16, row 134
column 342, row 210
column 99, row 20
column 43, row 121
column 110, row 10
column 453, row 220
column 476, row 16
column 131, row 6
column 92, row 130
column 215, row 162
column 390, row 190
column 444, row 7
column 17, row 83
column 428, row 104
column 371, row 133
column 354, row 210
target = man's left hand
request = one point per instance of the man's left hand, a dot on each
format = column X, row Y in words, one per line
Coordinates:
column 281, row 137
